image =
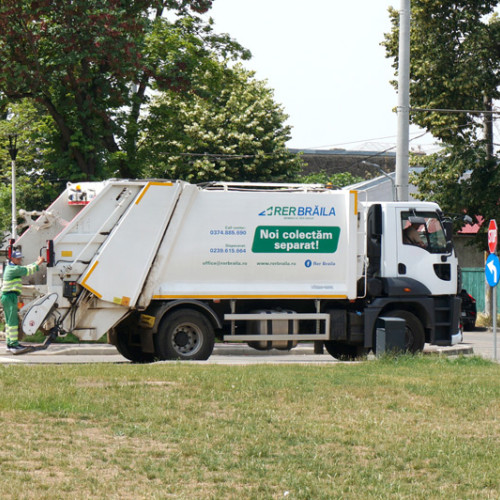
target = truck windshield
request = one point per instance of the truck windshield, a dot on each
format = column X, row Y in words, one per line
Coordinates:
column 423, row 229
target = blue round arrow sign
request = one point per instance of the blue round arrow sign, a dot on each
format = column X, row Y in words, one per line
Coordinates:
column 492, row 269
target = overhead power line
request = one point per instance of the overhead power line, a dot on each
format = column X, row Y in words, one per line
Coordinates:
column 469, row 111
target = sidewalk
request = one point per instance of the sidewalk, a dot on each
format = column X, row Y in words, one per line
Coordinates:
column 481, row 340
column 478, row 342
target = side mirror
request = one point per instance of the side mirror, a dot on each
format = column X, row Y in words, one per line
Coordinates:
column 448, row 230
column 375, row 220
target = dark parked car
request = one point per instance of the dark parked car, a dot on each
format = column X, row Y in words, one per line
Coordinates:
column 469, row 312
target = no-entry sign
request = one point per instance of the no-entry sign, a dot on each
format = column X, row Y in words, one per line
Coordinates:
column 492, row 236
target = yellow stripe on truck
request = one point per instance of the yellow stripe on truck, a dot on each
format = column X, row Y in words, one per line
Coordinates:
column 209, row 296
column 355, row 193
column 84, row 284
column 147, row 186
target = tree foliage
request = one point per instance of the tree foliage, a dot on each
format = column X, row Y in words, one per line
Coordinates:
column 229, row 130
column 340, row 179
column 90, row 64
column 455, row 63
column 36, row 181
column 116, row 88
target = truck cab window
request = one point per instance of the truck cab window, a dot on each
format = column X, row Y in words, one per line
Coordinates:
column 423, row 229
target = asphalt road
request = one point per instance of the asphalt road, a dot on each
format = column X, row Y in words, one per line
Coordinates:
column 478, row 342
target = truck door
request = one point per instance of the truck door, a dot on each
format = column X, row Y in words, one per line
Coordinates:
column 422, row 252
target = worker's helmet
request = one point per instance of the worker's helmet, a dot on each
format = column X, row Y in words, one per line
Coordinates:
column 16, row 254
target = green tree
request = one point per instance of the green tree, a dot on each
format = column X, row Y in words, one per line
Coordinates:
column 230, row 129
column 37, row 183
column 455, row 63
column 90, row 63
column 340, row 179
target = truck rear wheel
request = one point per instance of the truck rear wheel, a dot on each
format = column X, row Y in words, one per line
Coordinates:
column 185, row 334
column 129, row 346
column 415, row 334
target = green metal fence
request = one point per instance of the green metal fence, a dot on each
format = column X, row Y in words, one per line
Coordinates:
column 474, row 281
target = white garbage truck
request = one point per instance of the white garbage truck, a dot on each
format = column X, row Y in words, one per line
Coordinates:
column 166, row 268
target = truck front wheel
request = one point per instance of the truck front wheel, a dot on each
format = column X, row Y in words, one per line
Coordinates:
column 414, row 334
column 185, row 334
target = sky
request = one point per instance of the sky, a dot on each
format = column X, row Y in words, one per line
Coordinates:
column 324, row 61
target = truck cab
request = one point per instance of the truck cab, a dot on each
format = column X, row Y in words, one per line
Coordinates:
column 413, row 268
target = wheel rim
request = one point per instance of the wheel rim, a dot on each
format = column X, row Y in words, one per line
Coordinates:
column 186, row 339
column 409, row 338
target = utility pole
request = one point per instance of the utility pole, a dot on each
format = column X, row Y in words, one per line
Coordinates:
column 488, row 136
column 13, row 155
column 403, row 142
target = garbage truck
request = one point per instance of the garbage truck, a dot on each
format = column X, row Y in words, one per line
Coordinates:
column 167, row 268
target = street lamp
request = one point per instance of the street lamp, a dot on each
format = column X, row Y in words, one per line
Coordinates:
column 381, row 170
column 13, row 154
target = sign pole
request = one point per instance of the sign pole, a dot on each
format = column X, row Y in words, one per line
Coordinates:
column 493, row 276
column 495, row 323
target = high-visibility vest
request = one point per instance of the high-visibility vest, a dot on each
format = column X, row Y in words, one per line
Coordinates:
column 12, row 275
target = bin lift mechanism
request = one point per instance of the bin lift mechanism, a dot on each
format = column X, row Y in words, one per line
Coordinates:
column 36, row 315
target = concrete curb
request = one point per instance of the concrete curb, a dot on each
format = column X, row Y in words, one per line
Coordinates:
column 231, row 349
column 228, row 349
column 77, row 350
column 454, row 350
column 74, row 349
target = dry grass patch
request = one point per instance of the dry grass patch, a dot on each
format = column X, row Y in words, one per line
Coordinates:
column 56, row 457
column 393, row 428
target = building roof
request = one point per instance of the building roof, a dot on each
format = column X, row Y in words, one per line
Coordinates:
column 472, row 229
column 342, row 152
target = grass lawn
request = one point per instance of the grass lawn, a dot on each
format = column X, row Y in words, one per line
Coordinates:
column 422, row 427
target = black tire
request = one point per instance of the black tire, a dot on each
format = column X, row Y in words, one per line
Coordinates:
column 344, row 352
column 415, row 334
column 469, row 326
column 129, row 346
column 185, row 334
